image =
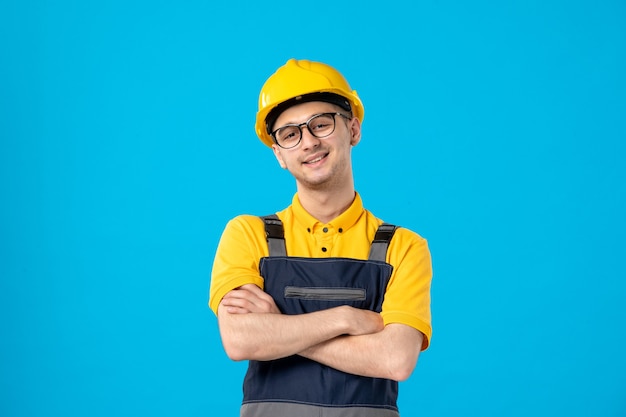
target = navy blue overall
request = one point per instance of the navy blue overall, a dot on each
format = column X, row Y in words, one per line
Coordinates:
column 296, row 386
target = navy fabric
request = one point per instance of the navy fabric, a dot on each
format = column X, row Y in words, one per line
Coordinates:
column 296, row 379
column 280, row 272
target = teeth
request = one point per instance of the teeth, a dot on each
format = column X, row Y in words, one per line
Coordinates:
column 314, row 160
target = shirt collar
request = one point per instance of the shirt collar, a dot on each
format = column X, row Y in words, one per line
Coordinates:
column 341, row 223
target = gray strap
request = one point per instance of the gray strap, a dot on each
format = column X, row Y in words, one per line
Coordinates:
column 287, row 408
column 378, row 250
column 275, row 234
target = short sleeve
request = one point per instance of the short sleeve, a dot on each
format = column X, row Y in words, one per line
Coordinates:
column 407, row 299
column 237, row 258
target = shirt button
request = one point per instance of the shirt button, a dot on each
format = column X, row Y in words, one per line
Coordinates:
column 325, row 229
column 324, row 249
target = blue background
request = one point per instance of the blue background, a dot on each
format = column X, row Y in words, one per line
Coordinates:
column 494, row 129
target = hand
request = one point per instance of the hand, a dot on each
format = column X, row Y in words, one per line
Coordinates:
column 249, row 299
column 363, row 321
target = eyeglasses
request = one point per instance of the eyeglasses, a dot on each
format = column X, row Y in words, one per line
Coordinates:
column 320, row 125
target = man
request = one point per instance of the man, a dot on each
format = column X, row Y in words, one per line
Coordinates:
column 330, row 306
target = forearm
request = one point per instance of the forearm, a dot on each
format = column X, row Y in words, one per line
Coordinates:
column 262, row 336
column 391, row 354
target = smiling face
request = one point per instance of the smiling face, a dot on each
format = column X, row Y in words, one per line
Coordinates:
column 319, row 163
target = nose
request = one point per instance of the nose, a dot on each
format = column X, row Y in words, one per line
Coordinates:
column 308, row 140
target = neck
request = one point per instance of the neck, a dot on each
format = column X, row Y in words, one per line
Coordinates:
column 326, row 205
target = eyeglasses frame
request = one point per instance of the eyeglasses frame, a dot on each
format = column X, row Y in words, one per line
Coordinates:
column 300, row 125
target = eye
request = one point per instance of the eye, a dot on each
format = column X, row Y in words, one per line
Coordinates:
column 321, row 123
column 287, row 133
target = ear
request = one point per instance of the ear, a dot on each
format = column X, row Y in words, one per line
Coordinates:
column 355, row 131
column 278, row 156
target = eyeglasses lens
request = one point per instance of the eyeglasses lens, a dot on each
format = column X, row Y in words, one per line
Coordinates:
column 320, row 126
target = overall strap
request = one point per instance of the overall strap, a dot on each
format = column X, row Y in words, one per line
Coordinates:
column 276, row 238
column 275, row 235
column 378, row 250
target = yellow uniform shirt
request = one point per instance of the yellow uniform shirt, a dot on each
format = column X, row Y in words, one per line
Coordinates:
column 407, row 298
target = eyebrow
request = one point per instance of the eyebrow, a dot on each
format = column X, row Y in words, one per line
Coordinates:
column 331, row 110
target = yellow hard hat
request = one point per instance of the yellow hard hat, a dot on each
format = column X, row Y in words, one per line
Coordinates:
column 300, row 81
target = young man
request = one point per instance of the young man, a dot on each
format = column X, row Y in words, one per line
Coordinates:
column 330, row 306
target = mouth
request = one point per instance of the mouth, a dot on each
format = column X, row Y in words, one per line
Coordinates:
column 315, row 159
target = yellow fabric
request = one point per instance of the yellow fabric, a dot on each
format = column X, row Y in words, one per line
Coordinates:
column 407, row 299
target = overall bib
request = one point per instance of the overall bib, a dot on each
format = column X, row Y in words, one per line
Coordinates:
column 298, row 387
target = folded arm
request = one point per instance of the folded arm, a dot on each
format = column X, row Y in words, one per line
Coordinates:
column 252, row 327
column 345, row 338
column 391, row 353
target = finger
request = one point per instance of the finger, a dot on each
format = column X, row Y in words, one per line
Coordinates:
column 252, row 293
column 264, row 297
column 252, row 299
column 238, row 302
column 253, row 290
column 237, row 310
column 250, row 303
column 240, row 297
column 246, row 291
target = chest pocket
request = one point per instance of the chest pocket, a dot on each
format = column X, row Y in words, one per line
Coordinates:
column 326, row 293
